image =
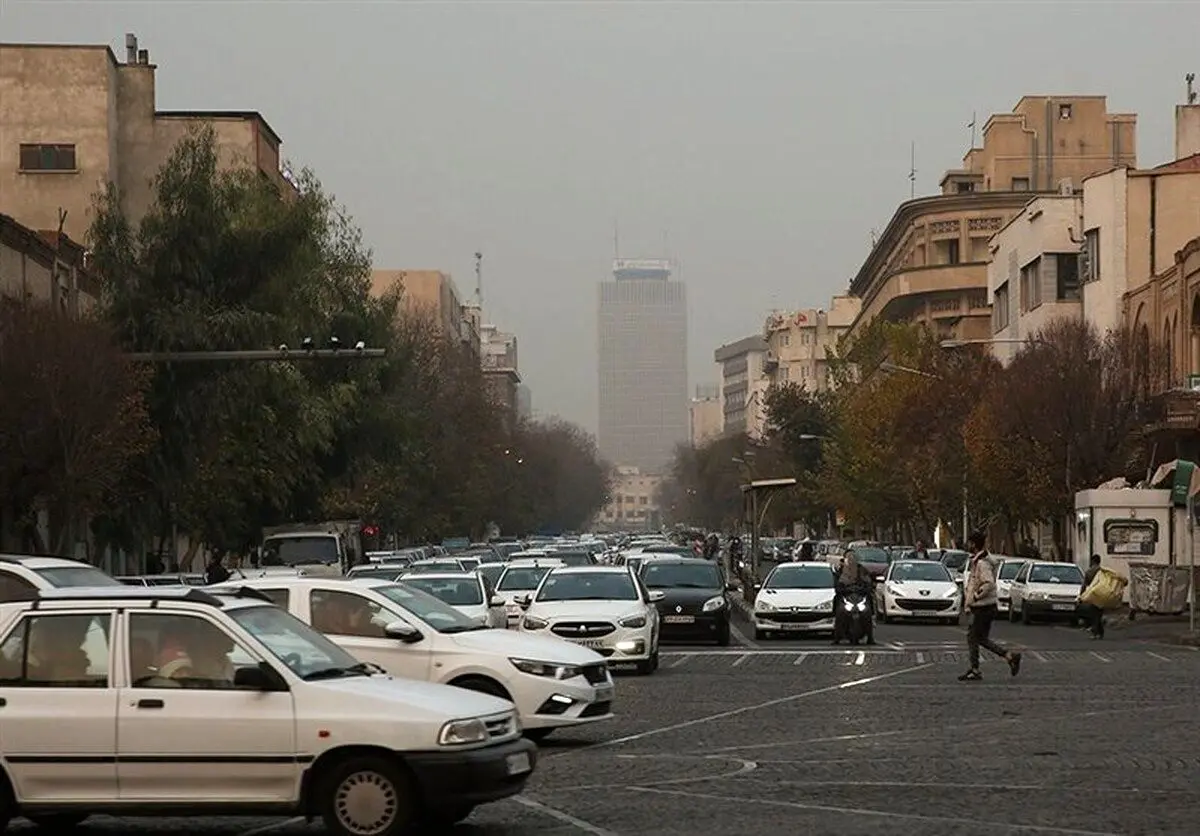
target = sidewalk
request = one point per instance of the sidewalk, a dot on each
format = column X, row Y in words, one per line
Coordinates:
column 1170, row 629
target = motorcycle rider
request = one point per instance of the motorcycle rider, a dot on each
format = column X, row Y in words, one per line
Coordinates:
column 853, row 578
column 712, row 546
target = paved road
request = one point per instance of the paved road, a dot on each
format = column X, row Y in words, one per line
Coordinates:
column 799, row 737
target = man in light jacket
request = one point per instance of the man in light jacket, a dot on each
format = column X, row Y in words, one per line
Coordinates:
column 979, row 597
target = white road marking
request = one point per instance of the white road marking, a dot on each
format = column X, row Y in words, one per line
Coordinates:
column 741, row 659
column 734, row 712
column 1037, row 656
column 920, row 658
column 267, row 828
column 860, row 658
column 800, row 658
column 1100, row 657
column 679, row 661
column 1157, row 655
column 896, row 645
column 885, row 814
column 565, row 818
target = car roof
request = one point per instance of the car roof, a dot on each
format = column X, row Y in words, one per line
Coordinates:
column 803, row 563
column 37, row 561
column 590, row 570
column 442, row 576
column 1051, row 563
column 917, row 560
column 234, row 595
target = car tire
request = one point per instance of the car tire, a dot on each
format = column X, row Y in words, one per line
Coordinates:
column 378, row 783
column 58, row 821
column 483, row 685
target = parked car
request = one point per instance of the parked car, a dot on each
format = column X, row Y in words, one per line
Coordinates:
column 468, row 592
column 1045, row 590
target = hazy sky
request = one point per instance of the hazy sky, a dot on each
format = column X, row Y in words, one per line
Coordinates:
column 762, row 142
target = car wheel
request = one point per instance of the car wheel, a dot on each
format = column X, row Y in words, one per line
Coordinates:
column 1026, row 618
column 58, row 821
column 367, row 795
column 760, row 635
column 482, row 685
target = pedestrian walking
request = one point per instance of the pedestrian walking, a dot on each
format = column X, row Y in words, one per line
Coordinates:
column 1092, row 614
column 980, row 599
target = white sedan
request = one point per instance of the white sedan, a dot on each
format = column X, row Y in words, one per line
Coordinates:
column 918, row 589
column 603, row 608
column 468, row 592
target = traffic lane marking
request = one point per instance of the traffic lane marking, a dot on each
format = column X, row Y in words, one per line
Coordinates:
column 563, row 817
column 267, row 828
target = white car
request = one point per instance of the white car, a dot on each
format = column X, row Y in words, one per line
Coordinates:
column 795, row 598
column 1046, row 590
column 468, row 592
column 520, row 578
column 137, row 701
column 918, row 589
column 21, row 576
column 410, row 633
column 605, row 608
column 1006, row 570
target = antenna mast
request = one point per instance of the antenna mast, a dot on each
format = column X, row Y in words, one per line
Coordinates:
column 912, row 171
column 479, row 279
column 1190, row 78
column 971, row 125
column 616, row 239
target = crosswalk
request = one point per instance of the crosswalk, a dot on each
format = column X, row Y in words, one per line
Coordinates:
column 888, row 656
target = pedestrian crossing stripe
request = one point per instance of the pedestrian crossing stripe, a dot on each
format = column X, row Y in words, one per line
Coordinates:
column 739, row 657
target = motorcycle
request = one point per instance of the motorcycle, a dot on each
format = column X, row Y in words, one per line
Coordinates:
column 852, row 621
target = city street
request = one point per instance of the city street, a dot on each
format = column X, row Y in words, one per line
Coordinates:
column 798, row 736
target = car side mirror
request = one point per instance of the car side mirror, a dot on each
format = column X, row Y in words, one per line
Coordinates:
column 758, row 586
column 403, row 632
column 656, row 595
column 496, row 601
column 523, row 601
column 260, row 677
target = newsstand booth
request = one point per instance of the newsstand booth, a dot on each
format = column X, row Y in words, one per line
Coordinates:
column 1143, row 535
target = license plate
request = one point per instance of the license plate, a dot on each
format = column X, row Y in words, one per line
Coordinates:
column 1064, row 607
column 679, row 619
column 588, row 642
column 517, row 764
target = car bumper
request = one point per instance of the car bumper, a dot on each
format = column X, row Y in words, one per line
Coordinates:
column 474, row 776
column 790, row 623
column 622, row 646
column 1003, row 604
column 694, row 627
column 565, row 704
column 1051, row 609
column 904, row 608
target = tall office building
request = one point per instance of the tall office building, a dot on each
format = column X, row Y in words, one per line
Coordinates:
column 643, row 365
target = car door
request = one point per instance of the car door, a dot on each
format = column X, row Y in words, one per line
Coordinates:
column 497, row 610
column 57, row 706
column 185, row 733
column 356, row 623
column 1016, row 593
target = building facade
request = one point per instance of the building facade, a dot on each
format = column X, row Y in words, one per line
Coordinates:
column 633, row 502
column 44, row 268
column 741, row 366
column 500, row 370
column 434, row 294
column 75, row 119
column 643, row 392
column 705, row 415
column 800, row 344
column 930, row 263
column 524, row 402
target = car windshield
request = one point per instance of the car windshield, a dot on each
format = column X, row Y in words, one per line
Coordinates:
column 955, row 560
column 1056, row 573
column 800, row 577
column 905, row 571
column 433, row 611
column 521, row 578
column 296, row 551
column 457, row 592
column 1009, row 569
column 491, row 572
column 870, row 554
column 384, row 573
column 681, row 575
column 292, row 642
column 434, row 566
column 62, row 576
column 588, row 586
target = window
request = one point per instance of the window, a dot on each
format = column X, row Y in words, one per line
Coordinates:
column 35, row 157
column 1031, row 285
column 347, row 614
column 1089, row 270
column 1000, row 309
column 1020, row 184
column 1064, row 112
column 57, row 651
column 279, row 597
column 1068, row 277
column 171, row 650
column 13, row 589
column 947, row 251
column 965, row 187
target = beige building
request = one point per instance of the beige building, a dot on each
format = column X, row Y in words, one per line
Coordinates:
column 433, row 292
column 500, row 370
column 741, row 366
column 930, row 263
column 41, row 267
column 633, row 504
column 74, row 119
column 705, row 415
column 801, row 343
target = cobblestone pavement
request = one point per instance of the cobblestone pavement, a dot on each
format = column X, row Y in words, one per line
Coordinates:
column 799, row 737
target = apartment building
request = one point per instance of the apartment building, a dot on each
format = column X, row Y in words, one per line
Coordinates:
column 44, row 267
column 434, row 294
column 741, row 366
column 705, row 415
column 501, row 376
column 633, row 502
column 801, row 344
column 75, row 118
column 930, row 264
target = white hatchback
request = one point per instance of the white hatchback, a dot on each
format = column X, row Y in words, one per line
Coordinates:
column 918, row 589
column 604, row 608
column 795, row 598
column 410, row 633
column 1043, row 589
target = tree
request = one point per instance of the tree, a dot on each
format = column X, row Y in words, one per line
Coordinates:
column 799, row 424
column 72, row 419
column 703, row 487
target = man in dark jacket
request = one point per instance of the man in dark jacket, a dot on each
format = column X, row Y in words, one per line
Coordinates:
column 216, row 571
column 1093, row 615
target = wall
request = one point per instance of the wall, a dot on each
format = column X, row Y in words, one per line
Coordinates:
column 1104, row 213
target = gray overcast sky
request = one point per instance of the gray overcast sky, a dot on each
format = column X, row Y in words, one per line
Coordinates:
column 763, row 141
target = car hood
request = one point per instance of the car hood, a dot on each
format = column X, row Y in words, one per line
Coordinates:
column 560, row 610
column 925, row 589
column 795, row 597
column 411, row 698
column 538, row 648
column 687, row 595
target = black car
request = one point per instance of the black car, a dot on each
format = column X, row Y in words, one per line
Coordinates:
column 695, row 606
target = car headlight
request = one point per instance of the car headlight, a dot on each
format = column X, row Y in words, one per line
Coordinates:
column 551, row 670
column 825, row 605
column 463, row 732
column 892, row 589
column 713, row 604
column 953, row 592
column 633, row 621
column 1037, row 596
column 532, row 622
column 861, row 606
column 764, row 606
